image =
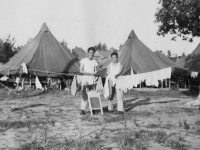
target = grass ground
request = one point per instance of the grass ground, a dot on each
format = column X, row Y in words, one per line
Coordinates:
column 154, row 120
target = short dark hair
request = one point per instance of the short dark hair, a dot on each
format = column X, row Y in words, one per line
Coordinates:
column 114, row 53
column 91, row 48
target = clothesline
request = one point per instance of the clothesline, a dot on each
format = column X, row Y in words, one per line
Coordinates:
column 50, row 72
column 36, row 70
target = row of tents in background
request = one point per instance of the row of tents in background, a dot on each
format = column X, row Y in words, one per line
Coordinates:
column 44, row 56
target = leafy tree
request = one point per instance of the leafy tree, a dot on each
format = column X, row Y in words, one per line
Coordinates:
column 18, row 48
column 180, row 18
column 160, row 51
column 7, row 49
column 101, row 47
column 183, row 54
column 65, row 45
column 169, row 53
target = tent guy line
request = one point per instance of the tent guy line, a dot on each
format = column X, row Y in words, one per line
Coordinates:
column 9, row 88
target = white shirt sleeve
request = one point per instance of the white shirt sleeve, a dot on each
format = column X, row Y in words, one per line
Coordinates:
column 83, row 61
column 95, row 63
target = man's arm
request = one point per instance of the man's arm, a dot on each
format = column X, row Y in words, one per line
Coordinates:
column 95, row 70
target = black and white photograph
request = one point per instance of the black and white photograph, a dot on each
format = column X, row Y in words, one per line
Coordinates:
column 99, row 75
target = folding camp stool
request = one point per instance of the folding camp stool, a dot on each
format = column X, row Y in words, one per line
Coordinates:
column 94, row 101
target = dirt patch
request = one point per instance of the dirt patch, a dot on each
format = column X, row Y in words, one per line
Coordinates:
column 152, row 121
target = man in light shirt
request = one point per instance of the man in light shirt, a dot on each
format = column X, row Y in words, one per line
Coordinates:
column 114, row 70
column 88, row 68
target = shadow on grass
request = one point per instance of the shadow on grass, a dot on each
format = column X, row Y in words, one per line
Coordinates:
column 165, row 93
column 191, row 93
column 29, row 106
column 105, row 109
column 20, row 124
column 129, row 105
column 161, row 102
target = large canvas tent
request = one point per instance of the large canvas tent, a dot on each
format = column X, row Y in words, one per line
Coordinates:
column 43, row 56
column 105, row 54
column 136, row 55
column 164, row 58
column 180, row 63
column 79, row 53
column 191, row 62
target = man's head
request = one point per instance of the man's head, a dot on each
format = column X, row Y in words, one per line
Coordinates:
column 114, row 57
column 91, row 51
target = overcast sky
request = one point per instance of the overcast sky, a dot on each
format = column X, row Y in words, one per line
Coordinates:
column 85, row 23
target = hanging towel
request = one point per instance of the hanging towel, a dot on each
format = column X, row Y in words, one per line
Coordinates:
column 99, row 87
column 106, row 91
column 4, row 78
column 24, row 68
column 38, row 85
column 74, row 86
column 79, row 79
column 17, row 80
column 194, row 74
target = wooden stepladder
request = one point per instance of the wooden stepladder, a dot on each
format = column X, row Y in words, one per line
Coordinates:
column 94, row 101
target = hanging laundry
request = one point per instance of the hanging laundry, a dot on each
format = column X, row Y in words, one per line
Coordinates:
column 79, row 79
column 124, row 83
column 24, row 68
column 17, row 80
column 4, row 78
column 38, row 85
column 131, row 81
column 165, row 73
column 106, row 91
column 99, row 86
column 194, row 74
column 168, row 72
column 74, row 86
column 127, row 82
column 152, row 78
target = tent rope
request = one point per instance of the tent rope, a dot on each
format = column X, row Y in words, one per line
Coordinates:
column 8, row 88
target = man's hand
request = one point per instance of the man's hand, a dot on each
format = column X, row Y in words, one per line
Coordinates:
column 92, row 74
column 95, row 73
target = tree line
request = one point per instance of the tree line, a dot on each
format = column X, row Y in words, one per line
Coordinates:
column 8, row 49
